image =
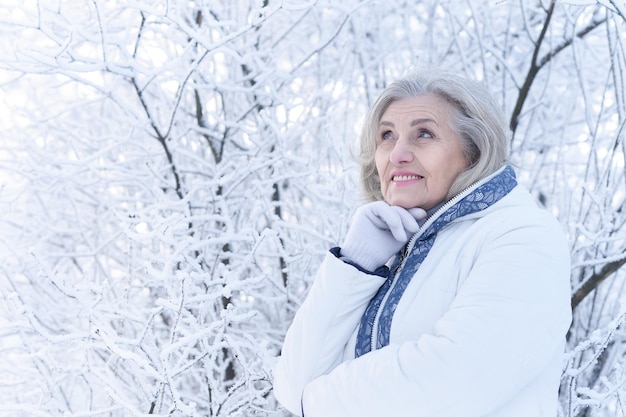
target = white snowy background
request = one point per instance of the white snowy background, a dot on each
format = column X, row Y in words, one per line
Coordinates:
column 172, row 172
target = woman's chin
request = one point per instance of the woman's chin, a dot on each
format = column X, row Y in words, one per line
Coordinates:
column 406, row 204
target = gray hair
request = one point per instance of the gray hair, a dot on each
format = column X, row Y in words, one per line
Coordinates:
column 476, row 117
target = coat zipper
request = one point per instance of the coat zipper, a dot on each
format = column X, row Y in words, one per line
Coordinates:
column 411, row 243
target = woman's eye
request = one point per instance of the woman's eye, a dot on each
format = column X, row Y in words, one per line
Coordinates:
column 425, row 134
column 387, row 135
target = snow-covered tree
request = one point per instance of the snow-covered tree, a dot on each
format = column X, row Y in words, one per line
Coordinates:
column 172, row 173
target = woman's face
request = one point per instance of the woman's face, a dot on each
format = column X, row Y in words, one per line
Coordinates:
column 418, row 155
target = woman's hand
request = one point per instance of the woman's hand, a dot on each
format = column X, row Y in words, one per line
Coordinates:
column 378, row 231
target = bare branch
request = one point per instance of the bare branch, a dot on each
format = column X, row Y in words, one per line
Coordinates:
column 595, row 280
column 536, row 65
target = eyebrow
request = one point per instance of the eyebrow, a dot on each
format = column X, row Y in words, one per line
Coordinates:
column 413, row 123
column 420, row 121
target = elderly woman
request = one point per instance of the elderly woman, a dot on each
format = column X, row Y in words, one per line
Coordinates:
column 450, row 294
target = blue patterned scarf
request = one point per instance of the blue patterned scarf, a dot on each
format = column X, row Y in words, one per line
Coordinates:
column 475, row 199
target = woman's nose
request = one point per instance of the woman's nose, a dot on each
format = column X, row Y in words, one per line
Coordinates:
column 401, row 153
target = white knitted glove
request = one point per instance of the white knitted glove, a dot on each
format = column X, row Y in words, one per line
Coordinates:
column 378, row 231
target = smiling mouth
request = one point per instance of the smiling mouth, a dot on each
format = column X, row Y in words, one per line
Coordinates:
column 398, row 178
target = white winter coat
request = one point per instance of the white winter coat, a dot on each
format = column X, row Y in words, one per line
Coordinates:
column 479, row 331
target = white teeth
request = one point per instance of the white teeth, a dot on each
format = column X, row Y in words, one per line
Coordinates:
column 406, row 177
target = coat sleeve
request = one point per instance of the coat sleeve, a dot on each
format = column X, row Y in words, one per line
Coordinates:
column 505, row 326
column 316, row 339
